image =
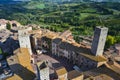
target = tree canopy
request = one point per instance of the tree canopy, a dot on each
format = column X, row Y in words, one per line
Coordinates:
column 8, row 26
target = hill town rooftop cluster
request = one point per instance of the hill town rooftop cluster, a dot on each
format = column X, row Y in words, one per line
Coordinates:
column 47, row 55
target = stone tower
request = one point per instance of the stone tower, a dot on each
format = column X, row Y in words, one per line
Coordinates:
column 43, row 70
column 99, row 40
column 24, row 40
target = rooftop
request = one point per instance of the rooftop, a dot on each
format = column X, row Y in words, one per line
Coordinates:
column 103, row 77
column 117, row 46
column 100, row 77
column 42, row 64
column 53, row 63
column 20, row 65
column 101, row 27
column 61, row 71
column 24, row 31
column 103, row 70
column 3, row 21
column 35, row 31
column 94, row 58
column 66, row 32
column 74, row 74
column 51, row 35
column 113, row 66
column 14, row 77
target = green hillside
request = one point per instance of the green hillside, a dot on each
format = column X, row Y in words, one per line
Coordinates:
column 35, row 5
column 80, row 18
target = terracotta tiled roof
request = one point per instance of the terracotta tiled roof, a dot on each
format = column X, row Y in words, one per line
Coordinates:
column 51, row 35
column 115, row 67
column 15, row 77
column 94, row 58
column 103, row 70
column 63, row 34
column 61, row 71
column 74, row 74
column 20, row 65
column 103, row 77
column 117, row 46
column 35, row 32
column 3, row 21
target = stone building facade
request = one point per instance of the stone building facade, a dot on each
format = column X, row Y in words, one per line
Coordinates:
column 81, row 54
column 55, row 45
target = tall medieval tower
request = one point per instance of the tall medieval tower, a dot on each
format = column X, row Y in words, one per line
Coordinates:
column 99, row 40
column 24, row 39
